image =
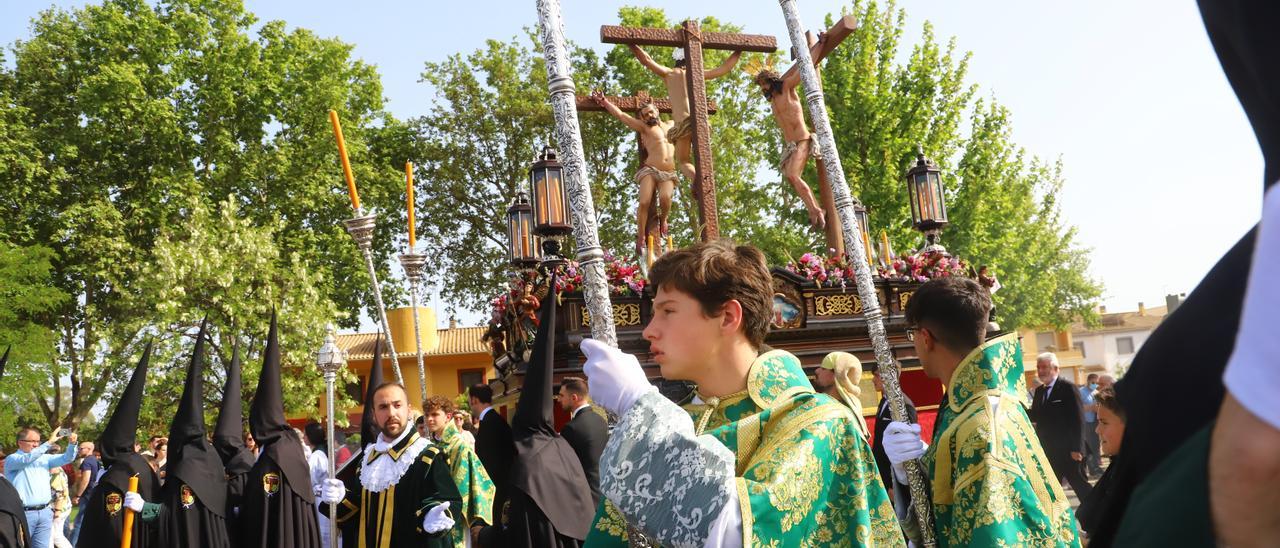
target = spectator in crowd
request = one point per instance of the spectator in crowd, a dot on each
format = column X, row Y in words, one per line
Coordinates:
column 1092, row 459
column 1106, row 381
column 250, row 444
column 466, row 428
column 60, row 503
column 1059, row 420
column 494, row 445
column 313, row 437
column 586, row 431
column 28, row 471
column 1110, row 430
column 90, row 469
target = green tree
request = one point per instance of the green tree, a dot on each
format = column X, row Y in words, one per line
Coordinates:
column 225, row 265
column 1002, row 202
column 121, row 120
column 27, row 299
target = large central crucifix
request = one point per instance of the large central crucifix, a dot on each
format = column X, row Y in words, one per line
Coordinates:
column 690, row 37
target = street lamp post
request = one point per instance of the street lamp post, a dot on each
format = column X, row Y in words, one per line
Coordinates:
column 330, row 359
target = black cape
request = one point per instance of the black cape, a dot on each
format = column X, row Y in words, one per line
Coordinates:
column 277, row 508
column 1188, row 353
column 193, row 499
column 13, row 520
column 104, row 514
column 425, row 484
column 228, row 440
column 551, row 503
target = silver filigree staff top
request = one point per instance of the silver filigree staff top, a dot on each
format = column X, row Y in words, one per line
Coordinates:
column 361, row 229
column 569, row 141
column 412, row 264
column 853, row 246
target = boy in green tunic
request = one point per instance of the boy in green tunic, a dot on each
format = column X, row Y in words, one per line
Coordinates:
column 759, row 458
column 990, row 482
column 473, row 482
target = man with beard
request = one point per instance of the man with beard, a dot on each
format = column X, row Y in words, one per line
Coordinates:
column 657, row 174
column 104, row 516
column 406, row 489
column 193, row 499
column 277, row 509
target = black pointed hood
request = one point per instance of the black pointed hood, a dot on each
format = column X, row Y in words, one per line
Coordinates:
column 546, row 466
column 192, row 460
column 120, row 434
column 276, row 439
column 368, row 423
column 4, row 359
column 228, row 433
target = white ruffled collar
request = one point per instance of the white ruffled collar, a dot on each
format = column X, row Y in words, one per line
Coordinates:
column 386, row 469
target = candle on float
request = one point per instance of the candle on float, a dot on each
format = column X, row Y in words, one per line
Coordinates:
column 408, row 183
column 886, row 253
column 346, row 163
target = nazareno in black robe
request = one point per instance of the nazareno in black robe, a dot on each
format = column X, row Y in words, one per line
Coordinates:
column 104, row 514
column 550, row 502
column 192, row 506
column 228, row 441
column 277, row 508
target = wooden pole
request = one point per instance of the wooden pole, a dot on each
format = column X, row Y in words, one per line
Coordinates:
column 126, row 536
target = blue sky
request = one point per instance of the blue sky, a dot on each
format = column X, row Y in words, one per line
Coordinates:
column 1163, row 173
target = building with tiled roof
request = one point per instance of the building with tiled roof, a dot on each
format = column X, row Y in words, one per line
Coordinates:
column 1108, row 347
column 453, row 357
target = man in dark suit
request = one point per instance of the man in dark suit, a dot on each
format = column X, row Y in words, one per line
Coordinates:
column 586, row 432
column 1059, row 417
column 883, row 418
column 494, row 446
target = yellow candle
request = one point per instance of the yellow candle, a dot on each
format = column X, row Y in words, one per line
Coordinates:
column 408, row 183
column 885, row 252
column 346, row 164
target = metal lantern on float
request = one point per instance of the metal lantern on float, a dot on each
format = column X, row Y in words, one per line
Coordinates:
column 928, row 206
column 522, row 244
column 550, row 204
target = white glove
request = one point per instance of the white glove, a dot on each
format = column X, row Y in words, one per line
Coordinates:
column 437, row 519
column 615, row 378
column 902, row 442
column 332, row 491
column 133, row 501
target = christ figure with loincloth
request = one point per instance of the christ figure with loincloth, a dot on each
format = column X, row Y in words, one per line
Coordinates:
column 657, row 173
column 797, row 142
column 681, row 132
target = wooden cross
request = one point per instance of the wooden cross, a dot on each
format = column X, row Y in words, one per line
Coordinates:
column 631, row 104
column 693, row 40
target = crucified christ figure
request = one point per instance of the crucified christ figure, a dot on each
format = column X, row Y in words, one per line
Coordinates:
column 681, row 132
column 657, row 173
column 797, row 146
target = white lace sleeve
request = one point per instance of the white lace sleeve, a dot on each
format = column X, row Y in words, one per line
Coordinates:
column 1253, row 372
column 670, row 484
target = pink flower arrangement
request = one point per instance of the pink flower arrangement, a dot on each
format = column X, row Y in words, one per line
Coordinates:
column 824, row 271
column 922, row 267
column 623, row 276
column 836, row 270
